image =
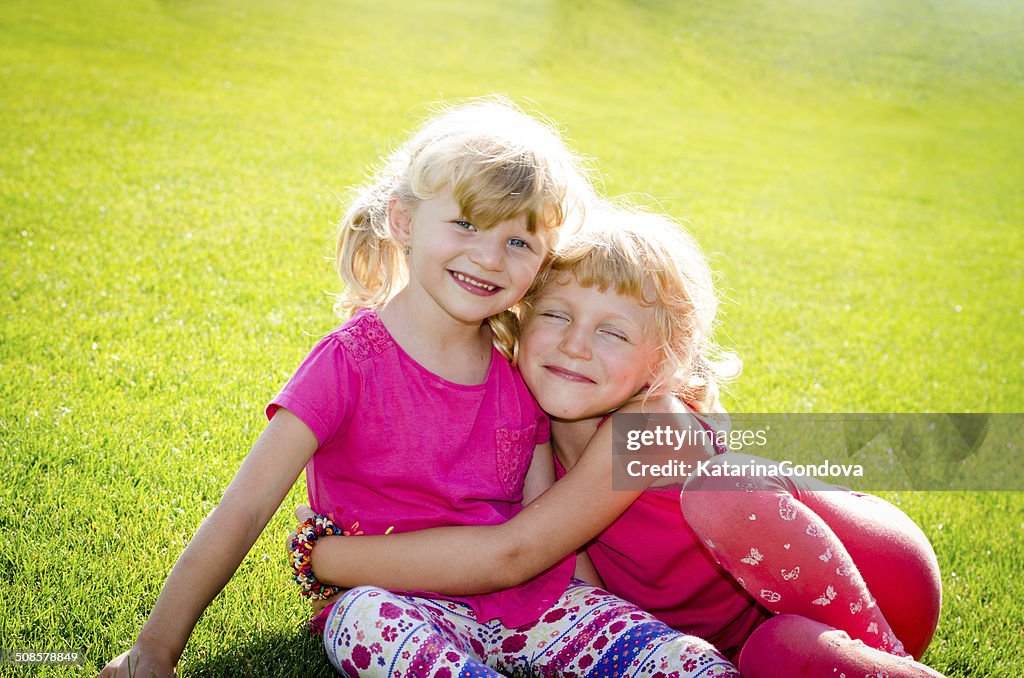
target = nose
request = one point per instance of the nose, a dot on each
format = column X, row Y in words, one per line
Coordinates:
column 575, row 342
column 488, row 252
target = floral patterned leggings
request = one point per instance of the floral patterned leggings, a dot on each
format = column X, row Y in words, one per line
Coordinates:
column 588, row 632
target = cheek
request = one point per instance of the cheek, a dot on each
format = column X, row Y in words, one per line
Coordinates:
column 531, row 342
column 429, row 250
column 522, row 273
column 633, row 372
column 539, row 342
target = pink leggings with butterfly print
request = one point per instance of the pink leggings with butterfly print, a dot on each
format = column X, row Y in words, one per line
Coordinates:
column 853, row 580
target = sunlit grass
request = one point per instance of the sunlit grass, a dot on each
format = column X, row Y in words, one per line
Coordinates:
column 168, row 181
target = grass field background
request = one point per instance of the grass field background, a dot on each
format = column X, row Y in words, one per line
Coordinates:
column 169, row 179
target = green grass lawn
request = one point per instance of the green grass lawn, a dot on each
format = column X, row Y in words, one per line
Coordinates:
column 169, row 179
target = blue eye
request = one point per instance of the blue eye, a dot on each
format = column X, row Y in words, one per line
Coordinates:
column 465, row 225
column 518, row 243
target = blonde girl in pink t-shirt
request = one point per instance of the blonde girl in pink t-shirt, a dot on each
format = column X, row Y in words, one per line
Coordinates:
column 408, row 416
column 790, row 578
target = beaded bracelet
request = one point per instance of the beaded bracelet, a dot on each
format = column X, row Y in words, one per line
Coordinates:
column 301, row 556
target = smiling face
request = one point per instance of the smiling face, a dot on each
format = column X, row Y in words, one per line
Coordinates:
column 584, row 352
column 468, row 273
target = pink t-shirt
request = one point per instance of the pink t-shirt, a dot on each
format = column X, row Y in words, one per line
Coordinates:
column 402, row 448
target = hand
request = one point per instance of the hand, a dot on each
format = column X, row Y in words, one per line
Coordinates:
column 302, row 514
column 139, row 662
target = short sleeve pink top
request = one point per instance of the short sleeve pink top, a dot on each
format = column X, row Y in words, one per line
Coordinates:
column 402, row 448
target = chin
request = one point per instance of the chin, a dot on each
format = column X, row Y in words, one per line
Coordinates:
column 566, row 414
column 554, row 410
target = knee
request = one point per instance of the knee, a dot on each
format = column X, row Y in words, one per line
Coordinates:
column 359, row 600
column 922, row 569
column 903, row 574
column 909, row 545
column 354, row 612
column 913, row 610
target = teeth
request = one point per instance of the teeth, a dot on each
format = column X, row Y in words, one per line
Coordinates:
column 474, row 283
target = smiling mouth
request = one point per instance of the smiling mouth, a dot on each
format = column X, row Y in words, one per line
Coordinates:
column 569, row 375
column 474, row 285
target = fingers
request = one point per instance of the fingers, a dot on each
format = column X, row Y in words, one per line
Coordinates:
column 110, row 670
column 302, row 513
column 138, row 662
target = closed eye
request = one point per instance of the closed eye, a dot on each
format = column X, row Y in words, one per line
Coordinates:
column 616, row 334
column 555, row 315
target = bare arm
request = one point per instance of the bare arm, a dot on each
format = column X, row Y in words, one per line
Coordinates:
column 219, row 546
column 540, row 477
column 571, row 513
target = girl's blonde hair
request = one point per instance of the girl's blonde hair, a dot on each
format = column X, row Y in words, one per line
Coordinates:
column 652, row 259
column 498, row 163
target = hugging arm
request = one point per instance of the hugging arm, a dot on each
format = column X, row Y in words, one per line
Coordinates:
column 558, row 522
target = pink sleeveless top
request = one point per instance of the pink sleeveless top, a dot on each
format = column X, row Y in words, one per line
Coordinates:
column 652, row 558
column 402, row 448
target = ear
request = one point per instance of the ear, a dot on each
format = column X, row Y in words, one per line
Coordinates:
column 400, row 222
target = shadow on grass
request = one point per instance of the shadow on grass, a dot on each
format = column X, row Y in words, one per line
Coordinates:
column 297, row 653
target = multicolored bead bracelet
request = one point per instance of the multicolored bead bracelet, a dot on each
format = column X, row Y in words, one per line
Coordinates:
column 301, row 554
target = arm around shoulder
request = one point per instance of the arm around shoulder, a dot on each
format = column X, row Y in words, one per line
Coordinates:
column 558, row 522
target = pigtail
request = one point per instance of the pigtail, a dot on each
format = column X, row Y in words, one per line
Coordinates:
column 369, row 259
column 504, row 333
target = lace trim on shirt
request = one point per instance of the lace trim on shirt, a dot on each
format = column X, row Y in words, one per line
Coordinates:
column 366, row 337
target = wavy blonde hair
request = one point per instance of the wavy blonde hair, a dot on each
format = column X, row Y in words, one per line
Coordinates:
column 652, row 259
column 498, row 163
